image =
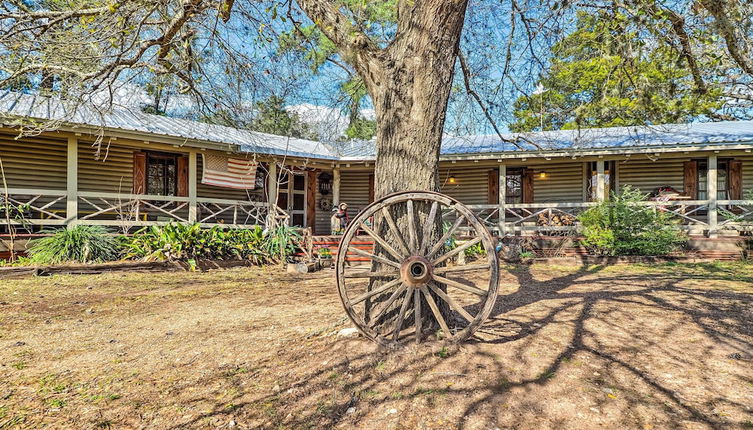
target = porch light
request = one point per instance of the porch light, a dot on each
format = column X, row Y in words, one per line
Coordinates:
column 451, row 180
column 543, row 175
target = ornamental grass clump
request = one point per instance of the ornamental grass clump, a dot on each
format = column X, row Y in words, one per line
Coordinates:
column 622, row 226
column 79, row 244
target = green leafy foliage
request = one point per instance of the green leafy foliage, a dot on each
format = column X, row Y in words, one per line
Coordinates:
column 606, row 74
column 186, row 242
column 621, row 226
column 271, row 117
column 79, row 244
column 282, row 242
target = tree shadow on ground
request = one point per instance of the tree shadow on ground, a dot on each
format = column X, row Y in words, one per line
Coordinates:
column 629, row 329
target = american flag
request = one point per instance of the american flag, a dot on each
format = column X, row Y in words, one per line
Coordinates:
column 228, row 172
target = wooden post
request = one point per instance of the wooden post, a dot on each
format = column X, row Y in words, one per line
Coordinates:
column 71, row 207
column 712, row 188
column 600, row 181
column 272, row 192
column 502, row 186
column 336, row 187
column 192, row 188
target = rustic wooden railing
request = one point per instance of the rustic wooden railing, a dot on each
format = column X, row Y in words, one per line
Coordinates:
column 37, row 207
column 562, row 217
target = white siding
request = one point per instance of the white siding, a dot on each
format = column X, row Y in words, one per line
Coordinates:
column 563, row 182
column 648, row 175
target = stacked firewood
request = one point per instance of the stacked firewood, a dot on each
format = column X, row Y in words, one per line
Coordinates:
column 557, row 219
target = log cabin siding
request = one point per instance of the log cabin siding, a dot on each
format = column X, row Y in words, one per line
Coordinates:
column 471, row 186
column 322, row 214
column 354, row 190
column 34, row 161
column 112, row 173
column 747, row 175
column 647, row 175
column 563, row 182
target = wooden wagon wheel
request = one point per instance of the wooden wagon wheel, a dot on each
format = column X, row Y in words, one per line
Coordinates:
column 408, row 267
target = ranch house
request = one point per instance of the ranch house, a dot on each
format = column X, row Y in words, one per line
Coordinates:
column 128, row 169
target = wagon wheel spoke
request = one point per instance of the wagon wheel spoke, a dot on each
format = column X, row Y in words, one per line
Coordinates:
column 456, row 251
column 374, row 257
column 466, row 268
column 411, row 226
column 435, row 310
column 385, row 274
column 450, row 301
column 440, row 243
column 395, row 233
column 375, row 291
column 458, row 285
column 387, row 304
column 386, row 246
column 417, row 313
column 401, row 315
column 428, row 227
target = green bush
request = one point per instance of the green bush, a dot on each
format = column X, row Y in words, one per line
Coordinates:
column 621, row 226
column 79, row 244
column 184, row 242
column 282, row 242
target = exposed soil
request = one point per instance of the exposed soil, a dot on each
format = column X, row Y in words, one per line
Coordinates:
column 629, row 346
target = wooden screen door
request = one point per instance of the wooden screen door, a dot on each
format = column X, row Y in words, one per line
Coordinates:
column 292, row 197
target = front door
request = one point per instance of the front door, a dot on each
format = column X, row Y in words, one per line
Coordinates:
column 292, row 197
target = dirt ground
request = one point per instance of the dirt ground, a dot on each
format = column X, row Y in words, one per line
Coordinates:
column 628, row 347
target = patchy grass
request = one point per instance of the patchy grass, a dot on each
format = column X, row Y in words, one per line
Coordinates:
column 631, row 346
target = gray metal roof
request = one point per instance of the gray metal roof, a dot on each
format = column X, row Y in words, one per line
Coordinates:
column 16, row 105
column 712, row 133
column 23, row 106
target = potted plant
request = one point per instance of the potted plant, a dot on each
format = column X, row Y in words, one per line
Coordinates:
column 325, row 256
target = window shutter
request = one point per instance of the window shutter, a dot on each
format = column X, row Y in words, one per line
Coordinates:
column 735, row 180
column 527, row 186
column 493, row 188
column 139, row 173
column 690, row 179
column 182, row 168
column 371, row 188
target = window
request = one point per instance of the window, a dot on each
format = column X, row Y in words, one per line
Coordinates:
column 722, row 184
column 161, row 174
column 609, row 180
column 514, row 186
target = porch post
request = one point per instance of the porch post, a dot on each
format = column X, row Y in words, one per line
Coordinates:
column 501, row 202
column 712, row 195
column 71, row 207
column 336, row 187
column 600, row 182
column 271, row 193
column 192, row 188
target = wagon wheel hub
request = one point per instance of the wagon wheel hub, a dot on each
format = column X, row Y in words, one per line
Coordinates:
column 416, row 270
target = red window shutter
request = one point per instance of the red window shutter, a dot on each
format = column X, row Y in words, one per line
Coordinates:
column 493, row 187
column 139, row 173
column 735, row 180
column 527, row 186
column 182, row 170
column 690, row 179
column 371, row 188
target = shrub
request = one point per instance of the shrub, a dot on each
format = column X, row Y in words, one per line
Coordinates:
column 282, row 242
column 621, row 226
column 184, row 242
column 80, row 244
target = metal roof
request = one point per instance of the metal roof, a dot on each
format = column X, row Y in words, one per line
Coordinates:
column 16, row 105
column 712, row 133
column 13, row 104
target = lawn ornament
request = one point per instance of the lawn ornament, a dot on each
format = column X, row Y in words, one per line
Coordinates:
column 415, row 282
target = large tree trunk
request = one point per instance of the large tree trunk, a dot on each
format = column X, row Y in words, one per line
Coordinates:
column 410, row 97
column 409, row 83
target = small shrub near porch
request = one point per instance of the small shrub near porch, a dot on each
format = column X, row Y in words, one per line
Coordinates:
column 622, row 226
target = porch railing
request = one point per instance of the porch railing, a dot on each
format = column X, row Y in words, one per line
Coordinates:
column 563, row 217
column 37, row 207
column 29, row 207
